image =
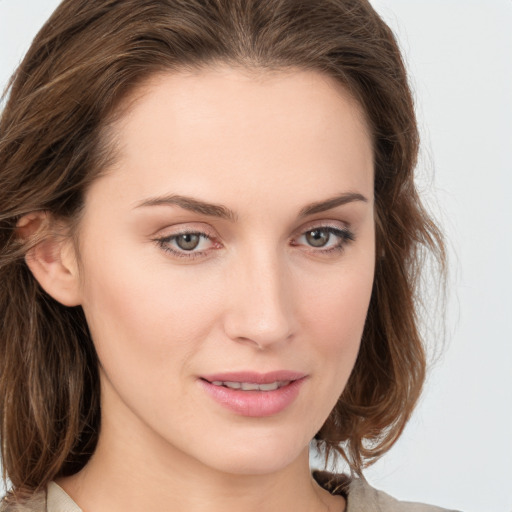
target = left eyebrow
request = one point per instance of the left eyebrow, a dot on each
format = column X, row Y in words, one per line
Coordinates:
column 329, row 204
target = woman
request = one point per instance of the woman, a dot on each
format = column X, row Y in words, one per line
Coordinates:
column 211, row 243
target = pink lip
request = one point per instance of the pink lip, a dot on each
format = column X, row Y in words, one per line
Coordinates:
column 254, row 403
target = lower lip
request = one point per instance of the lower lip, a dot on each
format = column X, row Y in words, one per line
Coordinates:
column 254, row 404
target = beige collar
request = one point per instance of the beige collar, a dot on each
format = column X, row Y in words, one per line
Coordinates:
column 59, row 501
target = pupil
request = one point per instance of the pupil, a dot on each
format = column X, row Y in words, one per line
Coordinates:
column 188, row 241
column 317, row 238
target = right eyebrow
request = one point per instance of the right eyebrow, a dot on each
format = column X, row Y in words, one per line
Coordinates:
column 191, row 204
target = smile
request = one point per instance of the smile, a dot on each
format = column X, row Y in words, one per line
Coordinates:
column 252, row 386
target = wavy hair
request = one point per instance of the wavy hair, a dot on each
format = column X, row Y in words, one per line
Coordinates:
column 54, row 143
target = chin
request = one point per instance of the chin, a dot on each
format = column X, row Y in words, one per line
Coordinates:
column 257, row 456
column 255, row 464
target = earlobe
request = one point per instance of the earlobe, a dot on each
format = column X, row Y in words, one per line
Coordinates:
column 52, row 258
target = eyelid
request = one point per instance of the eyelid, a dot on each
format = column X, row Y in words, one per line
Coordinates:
column 334, row 225
column 324, row 223
column 181, row 227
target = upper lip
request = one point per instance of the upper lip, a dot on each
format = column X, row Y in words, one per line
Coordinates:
column 255, row 377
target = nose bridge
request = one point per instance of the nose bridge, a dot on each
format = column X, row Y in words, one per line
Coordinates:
column 261, row 309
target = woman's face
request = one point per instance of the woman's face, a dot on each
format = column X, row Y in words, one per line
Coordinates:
column 227, row 265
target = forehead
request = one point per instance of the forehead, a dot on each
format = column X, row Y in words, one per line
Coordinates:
column 247, row 97
column 216, row 129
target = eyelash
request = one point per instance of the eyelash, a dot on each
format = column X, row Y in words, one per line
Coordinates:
column 345, row 237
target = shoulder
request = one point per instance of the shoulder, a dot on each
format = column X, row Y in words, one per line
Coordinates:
column 362, row 497
column 33, row 503
column 53, row 499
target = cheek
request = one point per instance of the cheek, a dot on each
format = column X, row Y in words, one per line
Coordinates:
column 333, row 313
column 142, row 317
column 337, row 300
column 340, row 336
column 335, row 310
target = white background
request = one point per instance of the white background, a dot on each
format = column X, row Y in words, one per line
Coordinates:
column 457, row 450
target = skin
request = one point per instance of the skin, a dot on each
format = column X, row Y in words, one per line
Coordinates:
column 256, row 296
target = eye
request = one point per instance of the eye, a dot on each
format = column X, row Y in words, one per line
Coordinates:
column 326, row 238
column 318, row 237
column 188, row 244
column 188, row 241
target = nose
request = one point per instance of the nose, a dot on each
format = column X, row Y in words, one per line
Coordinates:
column 261, row 306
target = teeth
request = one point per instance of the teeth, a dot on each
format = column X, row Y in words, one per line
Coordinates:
column 233, row 385
column 251, row 386
column 248, row 386
column 269, row 387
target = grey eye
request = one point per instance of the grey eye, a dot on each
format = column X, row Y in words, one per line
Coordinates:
column 317, row 237
column 188, row 241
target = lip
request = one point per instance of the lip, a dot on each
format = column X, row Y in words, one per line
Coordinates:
column 254, row 403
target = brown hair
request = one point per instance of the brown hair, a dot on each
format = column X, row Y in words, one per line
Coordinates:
column 53, row 143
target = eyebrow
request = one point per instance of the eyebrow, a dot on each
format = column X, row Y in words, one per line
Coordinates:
column 220, row 211
column 193, row 205
column 329, row 204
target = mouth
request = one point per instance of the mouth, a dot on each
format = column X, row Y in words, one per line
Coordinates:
column 254, row 394
column 252, row 386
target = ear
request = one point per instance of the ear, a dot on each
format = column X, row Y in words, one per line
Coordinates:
column 52, row 259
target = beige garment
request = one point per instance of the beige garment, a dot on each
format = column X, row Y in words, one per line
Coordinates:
column 360, row 496
column 59, row 501
column 364, row 498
